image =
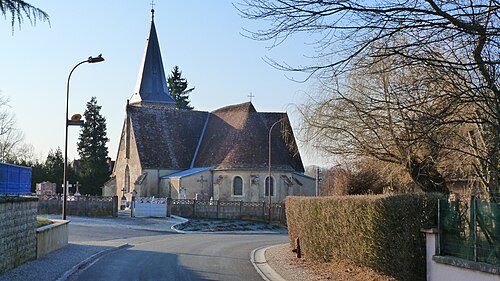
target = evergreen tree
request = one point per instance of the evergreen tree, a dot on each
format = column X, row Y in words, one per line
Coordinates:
column 93, row 150
column 178, row 87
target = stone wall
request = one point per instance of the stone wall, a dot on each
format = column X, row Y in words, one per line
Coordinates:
column 17, row 231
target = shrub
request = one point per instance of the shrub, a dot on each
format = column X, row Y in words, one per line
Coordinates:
column 41, row 221
column 378, row 231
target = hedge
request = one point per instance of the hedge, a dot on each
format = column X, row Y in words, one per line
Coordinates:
column 378, row 231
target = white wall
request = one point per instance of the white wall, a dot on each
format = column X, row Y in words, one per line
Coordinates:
column 437, row 271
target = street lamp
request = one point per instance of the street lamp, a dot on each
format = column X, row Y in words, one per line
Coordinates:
column 269, row 179
column 74, row 121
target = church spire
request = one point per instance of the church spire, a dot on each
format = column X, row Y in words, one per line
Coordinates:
column 151, row 86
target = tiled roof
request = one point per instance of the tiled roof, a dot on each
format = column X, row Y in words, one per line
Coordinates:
column 166, row 138
column 235, row 137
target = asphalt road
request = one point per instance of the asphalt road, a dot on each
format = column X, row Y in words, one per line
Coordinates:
column 182, row 257
column 154, row 255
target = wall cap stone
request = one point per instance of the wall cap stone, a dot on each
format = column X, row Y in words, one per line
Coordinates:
column 458, row 262
column 13, row 199
column 432, row 230
column 52, row 225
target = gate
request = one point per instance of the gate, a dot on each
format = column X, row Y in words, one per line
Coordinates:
column 149, row 207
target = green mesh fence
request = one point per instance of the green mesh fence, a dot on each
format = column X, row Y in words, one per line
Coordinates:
column 470, row 230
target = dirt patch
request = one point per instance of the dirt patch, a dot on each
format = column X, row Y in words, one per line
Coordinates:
column 283, row 261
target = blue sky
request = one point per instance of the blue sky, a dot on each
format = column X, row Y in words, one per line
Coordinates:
column 202, row 37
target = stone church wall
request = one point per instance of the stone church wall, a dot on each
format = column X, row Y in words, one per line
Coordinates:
column 253, row 186
column 192, row 185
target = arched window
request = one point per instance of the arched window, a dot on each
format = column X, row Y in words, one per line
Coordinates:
column 267, row 186
column 237, row 186
column 127, row 179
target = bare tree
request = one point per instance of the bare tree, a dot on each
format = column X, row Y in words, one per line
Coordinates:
column 11, row 138
column 458, row 40
column 404, row 115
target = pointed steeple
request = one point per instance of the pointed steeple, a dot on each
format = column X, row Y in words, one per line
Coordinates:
column 151, row 86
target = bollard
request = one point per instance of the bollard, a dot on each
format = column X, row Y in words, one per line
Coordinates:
column 297, row 249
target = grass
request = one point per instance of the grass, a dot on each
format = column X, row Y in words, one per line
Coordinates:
column 40, row 221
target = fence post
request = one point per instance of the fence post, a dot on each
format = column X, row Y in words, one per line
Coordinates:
column 218, row 208
column 263, row 210
column 282, row 213
column 169, row 206
column 473, row 222
column 241, row 207
column 115, row 206
column 194, row 208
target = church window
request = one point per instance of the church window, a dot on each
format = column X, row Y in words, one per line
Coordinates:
column 238, row 186
column 267, row 186
column 127, row 179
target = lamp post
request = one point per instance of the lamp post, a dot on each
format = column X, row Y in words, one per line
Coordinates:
column 74, row 121
column 269, row 179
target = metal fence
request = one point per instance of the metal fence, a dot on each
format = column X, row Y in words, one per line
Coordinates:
column 79, row 205
column 470, row 230
column 218, row 209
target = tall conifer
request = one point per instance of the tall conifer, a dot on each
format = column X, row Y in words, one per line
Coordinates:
column 92, row 149
column 178, row 88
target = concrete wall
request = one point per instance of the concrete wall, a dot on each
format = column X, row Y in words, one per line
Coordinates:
column 17, row 231
column 51, row 237
column 444, row 268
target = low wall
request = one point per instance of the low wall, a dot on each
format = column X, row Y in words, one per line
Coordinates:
column 17, row 231
column 87, row 206
column 216, row 209
column 445, row 268
column 51, row 237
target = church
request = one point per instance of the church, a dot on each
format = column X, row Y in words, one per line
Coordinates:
column 189, row 154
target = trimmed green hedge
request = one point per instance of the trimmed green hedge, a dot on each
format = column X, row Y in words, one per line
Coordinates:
column 378, row 231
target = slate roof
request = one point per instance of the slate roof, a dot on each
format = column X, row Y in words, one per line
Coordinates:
column 186, row 173
column 151, row 85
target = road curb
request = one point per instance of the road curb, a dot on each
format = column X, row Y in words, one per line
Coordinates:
column 90, row 260
column 258, row 259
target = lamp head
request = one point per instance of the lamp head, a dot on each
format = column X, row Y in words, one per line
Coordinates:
column 99, row 58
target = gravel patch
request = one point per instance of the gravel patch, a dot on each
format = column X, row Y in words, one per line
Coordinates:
column 284, row 262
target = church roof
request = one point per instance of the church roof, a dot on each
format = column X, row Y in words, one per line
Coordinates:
column 186, row 173
column 151, row 86
column 166, row 138
column 234, row 137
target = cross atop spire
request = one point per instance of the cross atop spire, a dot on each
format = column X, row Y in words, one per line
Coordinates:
column 152, row 9
column 251, row 96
